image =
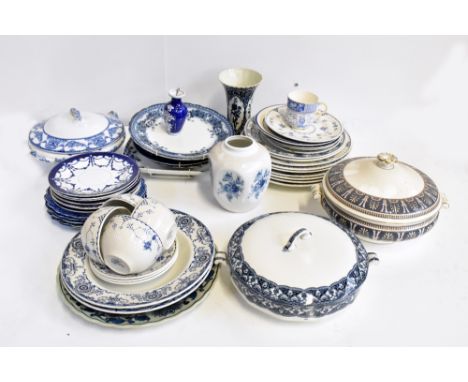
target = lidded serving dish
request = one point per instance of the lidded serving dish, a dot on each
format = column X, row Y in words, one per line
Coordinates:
column 381, row 199
column 297, row 265
column 75, row 133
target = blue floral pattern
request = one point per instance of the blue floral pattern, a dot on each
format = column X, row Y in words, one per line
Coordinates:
column 114, row 131
column 231, row 185
column 77, row 282
column 260, row 183
column 219, row 126
column 291, row 301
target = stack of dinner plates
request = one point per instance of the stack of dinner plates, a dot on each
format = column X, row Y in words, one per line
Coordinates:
column 300, row 157
column 156, row 151
column 79, row 185
column 177, row 281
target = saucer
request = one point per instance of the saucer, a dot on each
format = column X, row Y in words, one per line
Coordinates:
column 162, row 264
column 323, row 130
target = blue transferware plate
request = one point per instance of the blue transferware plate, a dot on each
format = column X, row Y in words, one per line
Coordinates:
column 196, row 255
column 75, row 132
column 93, row 174
column 203, row 128
column 139, row 319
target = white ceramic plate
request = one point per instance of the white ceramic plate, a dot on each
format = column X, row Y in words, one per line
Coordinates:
column 325, row 129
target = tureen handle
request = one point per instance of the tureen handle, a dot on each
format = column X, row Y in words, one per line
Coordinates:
column 371, row 257
column 113, row 114
column 75, row 113
column 302, row 233
column 316, row 191
column 386, row 161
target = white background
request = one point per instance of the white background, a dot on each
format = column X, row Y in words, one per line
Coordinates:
column 406, row 95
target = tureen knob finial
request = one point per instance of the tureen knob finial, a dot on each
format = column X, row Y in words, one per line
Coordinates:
column 302, row 233
column 75, row 114
column 386, row 161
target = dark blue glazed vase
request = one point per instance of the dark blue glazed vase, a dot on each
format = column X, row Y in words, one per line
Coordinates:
column 175, row 111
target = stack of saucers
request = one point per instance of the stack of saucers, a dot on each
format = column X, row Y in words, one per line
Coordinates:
column 79, row 185
column 180, row 275
column 300, row 157
column 155, row 149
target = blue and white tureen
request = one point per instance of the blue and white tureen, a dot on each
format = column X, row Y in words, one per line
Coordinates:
column 74, row 133
column 297, row 265
column 381, row 199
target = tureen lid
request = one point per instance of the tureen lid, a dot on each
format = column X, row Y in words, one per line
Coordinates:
column 76, row 132
column 75, row 124
column 381, row 188
column 297, row 258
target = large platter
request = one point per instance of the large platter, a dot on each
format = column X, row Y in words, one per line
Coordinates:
column 196, row 254
column 203, row 128
column 140, row 319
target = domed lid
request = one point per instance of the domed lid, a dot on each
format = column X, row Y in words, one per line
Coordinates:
column 381, row 187
column 297, row 258
column 75, row 124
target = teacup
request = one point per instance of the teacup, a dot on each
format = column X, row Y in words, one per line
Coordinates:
column 303, row 109
column 159, row 218
column 92, row 230
column 129, row 245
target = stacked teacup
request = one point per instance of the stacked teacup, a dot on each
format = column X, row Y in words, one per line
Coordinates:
column 130, row 240
column 303, row 139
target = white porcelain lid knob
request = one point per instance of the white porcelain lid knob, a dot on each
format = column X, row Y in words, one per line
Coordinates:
column 386, row 161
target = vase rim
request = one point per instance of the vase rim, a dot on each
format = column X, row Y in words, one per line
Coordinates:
column 240, row 77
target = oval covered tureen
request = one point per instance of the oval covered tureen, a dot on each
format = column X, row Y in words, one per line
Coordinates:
column 381, row 199
column 74, row 133
column 297, row 265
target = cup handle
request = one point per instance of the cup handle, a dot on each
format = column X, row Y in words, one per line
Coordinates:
column 322, row 108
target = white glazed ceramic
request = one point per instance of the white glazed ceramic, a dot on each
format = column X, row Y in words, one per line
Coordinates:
column 240, row 170
column 159, row 218
column 162, row 264
column 381, row 198
column 130, row 201
column 92, row 230
column 128, row 245
column 303, row 109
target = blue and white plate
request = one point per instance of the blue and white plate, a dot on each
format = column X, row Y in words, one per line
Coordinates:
column 324, row 130
column 203, row 128
column 135, row 320
column 195, row 259
column 93, row 174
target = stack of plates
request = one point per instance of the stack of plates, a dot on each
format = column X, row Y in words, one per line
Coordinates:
column 185, row 275
column 300, row 157
column 79, row 185
column 155, row 149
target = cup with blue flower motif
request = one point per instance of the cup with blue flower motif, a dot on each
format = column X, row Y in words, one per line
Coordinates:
column 129, row 245
column 159, row 218
column 303, row 109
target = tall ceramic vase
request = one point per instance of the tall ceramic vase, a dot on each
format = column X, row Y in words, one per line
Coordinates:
column 240, row 171
column 240, row 85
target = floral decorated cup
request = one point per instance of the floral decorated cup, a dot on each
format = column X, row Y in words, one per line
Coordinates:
column 303, row 109
column 129, row 245
column 159, row 218
column 92, row 230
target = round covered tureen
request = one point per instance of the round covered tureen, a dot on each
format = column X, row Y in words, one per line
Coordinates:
column 381, row 199
column 74, row 133
column 297, row 265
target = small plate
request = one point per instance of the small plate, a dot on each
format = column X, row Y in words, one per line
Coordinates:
column 203, row 128
column 93, row 174
column 325, row 129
